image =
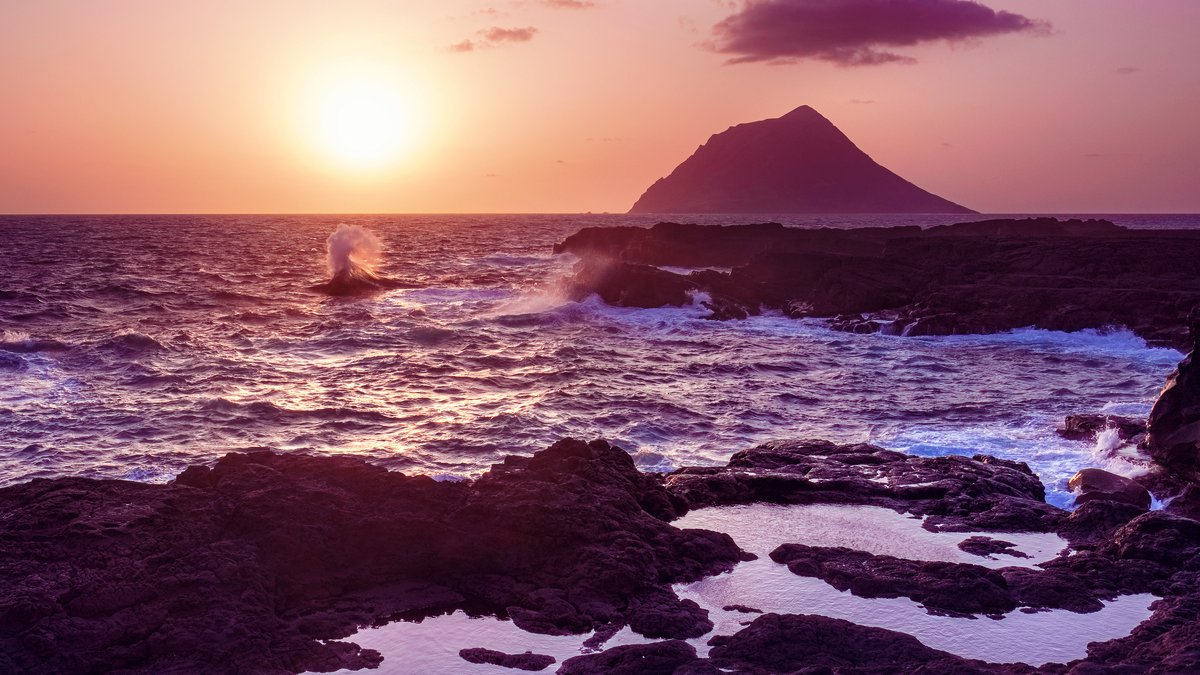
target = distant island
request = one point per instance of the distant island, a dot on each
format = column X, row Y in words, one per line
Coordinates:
column 798, row 163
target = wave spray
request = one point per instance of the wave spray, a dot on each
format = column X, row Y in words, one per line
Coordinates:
column 352, row 254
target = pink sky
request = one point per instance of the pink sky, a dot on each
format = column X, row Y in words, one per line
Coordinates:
column 123, row 106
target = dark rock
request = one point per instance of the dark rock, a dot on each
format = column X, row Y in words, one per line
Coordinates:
column 941, row 587
column 985, row 277
column 1094, row 522
column 1087, row 427
column 742, row 608
column 656, row 658
column 957, row 493
column 776, row 643
column 527, row 661
column 254, row 564
column 1100, row 485
column 986, row 546
column 798, row 163
column 629, row 285
column 1186, row 504
column 1173, row 434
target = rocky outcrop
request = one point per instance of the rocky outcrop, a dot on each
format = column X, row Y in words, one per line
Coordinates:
column 1087, row 426
column 1173, row 432
column 980, row 277
column 1100, row 485
column 265, row 563
column 252, row 564
column 526, row 661
column 955, row 493
column 798, row 163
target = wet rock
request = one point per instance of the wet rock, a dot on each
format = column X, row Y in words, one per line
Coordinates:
column 941, row 587
column 630, row 285
column 1086, row 427
column 776, row 643
column 1100, row 485
column 526, row 661
column 986, row 546
column 1173, row 432
column 984, row 277
column 956, row 493
column 255, row 564
column 657, row 658
column 1094, row 522
column 1186, row 504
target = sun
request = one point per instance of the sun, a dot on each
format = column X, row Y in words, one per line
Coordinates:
column 363, row 122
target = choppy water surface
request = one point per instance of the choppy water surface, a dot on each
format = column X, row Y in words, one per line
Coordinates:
column 135, row 346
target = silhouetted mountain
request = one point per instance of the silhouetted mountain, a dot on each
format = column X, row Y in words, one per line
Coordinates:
column 798, row 163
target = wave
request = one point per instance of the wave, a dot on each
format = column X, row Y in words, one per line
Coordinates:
column 22, row 342
column 352, row 254
column 271, row 412
column 132, row 344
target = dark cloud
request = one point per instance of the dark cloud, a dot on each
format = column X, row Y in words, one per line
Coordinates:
column 494, row 36
column 855, row 32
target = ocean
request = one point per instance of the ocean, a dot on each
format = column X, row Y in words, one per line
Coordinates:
column 134, row 346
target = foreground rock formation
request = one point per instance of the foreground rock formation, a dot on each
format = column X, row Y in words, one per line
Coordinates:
column 263, row 562
column 1173, row 431
column 798, row 163
column 982, row 277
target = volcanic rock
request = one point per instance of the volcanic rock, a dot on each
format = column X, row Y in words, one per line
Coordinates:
column 984, row 277
column 1098, row 484
column 798, row 163
column 252, row 565
column 1173, row 432
column 526, row 661
column 1086, row 427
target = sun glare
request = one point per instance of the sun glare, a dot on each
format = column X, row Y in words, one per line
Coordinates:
column 364, row 123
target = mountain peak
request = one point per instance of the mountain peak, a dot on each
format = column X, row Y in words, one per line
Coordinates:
column 798, row 163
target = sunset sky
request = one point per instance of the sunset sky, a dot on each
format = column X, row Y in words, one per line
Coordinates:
column 575, row 105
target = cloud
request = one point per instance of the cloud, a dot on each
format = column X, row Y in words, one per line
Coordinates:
column 862, row 101
column 494, row 36
column 569, row 4
column 497, row 34
column 1128, row 70
column 856, row 32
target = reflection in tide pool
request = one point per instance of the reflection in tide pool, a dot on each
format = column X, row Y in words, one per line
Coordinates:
column 431, row 647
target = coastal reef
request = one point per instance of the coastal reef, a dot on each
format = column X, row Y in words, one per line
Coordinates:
column 981, row 277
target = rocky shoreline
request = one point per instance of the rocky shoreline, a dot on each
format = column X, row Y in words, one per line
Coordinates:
column 980, row 277
column 265, row 563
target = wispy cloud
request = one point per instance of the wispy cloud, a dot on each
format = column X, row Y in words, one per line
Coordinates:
column 494, row 36
column 856, row 32
column 569, row 4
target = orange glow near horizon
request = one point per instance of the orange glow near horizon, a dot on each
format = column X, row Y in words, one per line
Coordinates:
column 480, row 106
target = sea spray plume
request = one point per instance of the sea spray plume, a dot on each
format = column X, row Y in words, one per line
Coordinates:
column 351, row 246
column 352, row 253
